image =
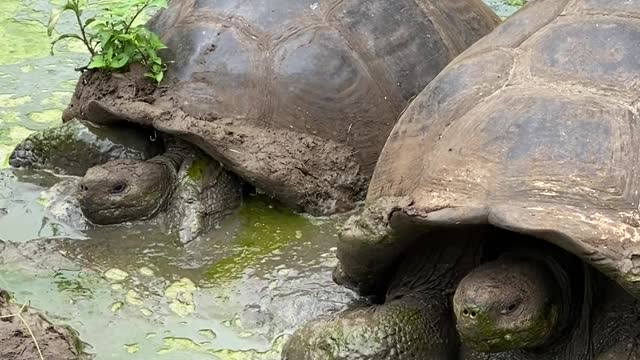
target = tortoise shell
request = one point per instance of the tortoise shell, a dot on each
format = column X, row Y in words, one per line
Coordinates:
column 533, row 129
column 341, row 70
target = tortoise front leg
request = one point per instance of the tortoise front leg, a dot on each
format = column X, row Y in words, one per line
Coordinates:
column 417, row 326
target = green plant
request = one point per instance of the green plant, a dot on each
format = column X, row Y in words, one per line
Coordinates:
column 112, row 37
column 516, row 2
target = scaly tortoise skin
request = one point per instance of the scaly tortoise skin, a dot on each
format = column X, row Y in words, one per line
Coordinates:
column 296, row 97
column 75, row 146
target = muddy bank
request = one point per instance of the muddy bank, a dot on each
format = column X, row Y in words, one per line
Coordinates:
column 36, row 339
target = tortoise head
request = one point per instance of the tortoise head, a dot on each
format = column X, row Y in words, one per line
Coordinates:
column 124, row 190
column 507, row 304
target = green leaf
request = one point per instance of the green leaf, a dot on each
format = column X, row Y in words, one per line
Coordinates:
column 155, row 42
column 97, row 62
column 89, row 21
column 159, row 76
column 105, row 37
column 71, row 5
column 119, row 61
column 108, row 55
column 53, row 20
column 116, row 35
column 124, row 37
column 97, row 26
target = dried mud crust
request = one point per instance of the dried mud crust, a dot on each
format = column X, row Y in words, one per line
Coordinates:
column 102, row 85
column 306, row 172
column 55, row 342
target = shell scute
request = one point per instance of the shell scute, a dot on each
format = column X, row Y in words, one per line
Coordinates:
column 594, row 52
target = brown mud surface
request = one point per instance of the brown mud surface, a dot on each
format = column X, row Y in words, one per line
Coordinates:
column 16, row 343
column 306, row 172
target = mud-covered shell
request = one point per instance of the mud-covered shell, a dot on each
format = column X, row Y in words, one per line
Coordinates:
column 534, row 129
column 341, row 70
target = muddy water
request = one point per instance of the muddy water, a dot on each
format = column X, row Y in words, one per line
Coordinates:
column 131, row 291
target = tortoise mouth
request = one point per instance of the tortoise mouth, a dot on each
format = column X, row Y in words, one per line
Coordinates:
column 508, row 341
column 507, row 335
column 117, row 214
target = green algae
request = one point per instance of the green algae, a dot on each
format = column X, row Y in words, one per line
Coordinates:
column 74, row 284
column 133, row 298
column 23, row 39
column 208, row 333
column 57, row 100
column 504, row 8
column 8, row 100
column 146, row 271
column 518, row 3
column 172, row 344
column 266, row 228
column 116, row 274
column 50, row 116
column 177, row 344
column 9, row 116
column 180, row 295
column 27, row 68
column 146, row 312
column 132, row 348
column 33, row 82
column 197, row 169
column 116, row 306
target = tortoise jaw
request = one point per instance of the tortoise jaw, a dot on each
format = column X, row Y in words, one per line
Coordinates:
column 493, row 344
column 115, row 215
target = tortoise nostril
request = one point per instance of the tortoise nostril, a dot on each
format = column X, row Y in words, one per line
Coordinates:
column 84, row 188
column 469, row 313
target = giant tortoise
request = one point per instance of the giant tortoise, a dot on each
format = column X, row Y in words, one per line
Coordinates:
column 295, row 96
column 511, row 182
column 128, row 175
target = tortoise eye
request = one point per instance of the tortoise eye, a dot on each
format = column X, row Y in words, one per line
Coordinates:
column 118, row 188
column 511, row 307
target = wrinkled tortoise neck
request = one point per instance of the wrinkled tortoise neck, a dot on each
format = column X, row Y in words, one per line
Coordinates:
column 176, row 152
column 436, row 264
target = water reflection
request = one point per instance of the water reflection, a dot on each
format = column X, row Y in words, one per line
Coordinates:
column 132, row 289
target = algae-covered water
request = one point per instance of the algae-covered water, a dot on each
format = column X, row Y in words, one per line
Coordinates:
column 130, row 291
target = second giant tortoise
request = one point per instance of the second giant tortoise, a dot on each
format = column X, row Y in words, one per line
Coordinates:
column 511, row 181
column 295, row 96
